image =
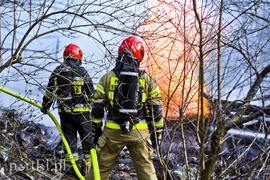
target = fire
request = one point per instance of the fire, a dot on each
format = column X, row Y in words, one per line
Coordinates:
column 172, row 59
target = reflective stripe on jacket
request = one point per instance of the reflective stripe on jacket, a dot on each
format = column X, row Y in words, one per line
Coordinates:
column 76, row 109
column 114, row 125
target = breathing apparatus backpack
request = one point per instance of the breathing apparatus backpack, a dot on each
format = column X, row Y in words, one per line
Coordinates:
column 128, row 97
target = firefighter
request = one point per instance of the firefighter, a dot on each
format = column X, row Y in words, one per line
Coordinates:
column 131, row 101
column 72, row 87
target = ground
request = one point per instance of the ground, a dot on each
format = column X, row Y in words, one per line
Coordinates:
column 28, row 152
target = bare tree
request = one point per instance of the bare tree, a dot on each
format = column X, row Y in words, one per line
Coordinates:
column 210, row 59
column 220, row 46
column 247, row 44
column 33, row 35
column 25, row 23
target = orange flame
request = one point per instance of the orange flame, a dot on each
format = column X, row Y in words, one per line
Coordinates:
column 172, row 60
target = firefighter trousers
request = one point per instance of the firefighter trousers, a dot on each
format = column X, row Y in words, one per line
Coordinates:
column 73, row 123
column 138, row 143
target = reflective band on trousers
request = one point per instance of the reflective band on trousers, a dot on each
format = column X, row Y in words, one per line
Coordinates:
column 76, row 109
column 113, row 125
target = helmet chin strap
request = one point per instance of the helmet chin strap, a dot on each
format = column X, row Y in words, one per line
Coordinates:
column 122, row 57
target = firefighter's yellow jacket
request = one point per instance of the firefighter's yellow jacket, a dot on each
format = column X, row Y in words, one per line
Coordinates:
column 105, row 99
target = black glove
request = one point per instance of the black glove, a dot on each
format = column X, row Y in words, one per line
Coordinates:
column 96, row 137
column 44, row 109
column 156, row 138
column 96, row 132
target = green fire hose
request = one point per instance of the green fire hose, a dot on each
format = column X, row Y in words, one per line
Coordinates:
column 73, row 163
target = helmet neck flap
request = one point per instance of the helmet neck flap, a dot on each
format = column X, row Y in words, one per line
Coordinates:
column 126, row 59
column 72, row 62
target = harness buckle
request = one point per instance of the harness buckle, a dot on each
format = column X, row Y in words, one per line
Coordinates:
column 126, row 126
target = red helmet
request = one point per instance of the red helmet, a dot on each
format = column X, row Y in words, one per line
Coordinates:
column 133, row 46
column 73, row 51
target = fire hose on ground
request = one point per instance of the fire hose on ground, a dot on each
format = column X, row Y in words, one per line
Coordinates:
column 93, row 153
